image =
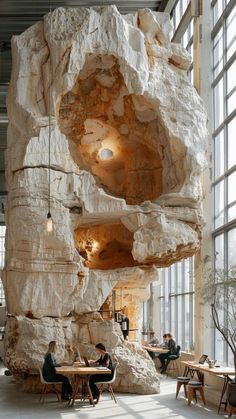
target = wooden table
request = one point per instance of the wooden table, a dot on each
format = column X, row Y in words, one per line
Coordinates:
column 80, row 373
column 225, row 372
column 156, row 349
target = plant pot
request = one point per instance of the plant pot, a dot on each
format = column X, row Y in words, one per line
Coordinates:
column 231, row 394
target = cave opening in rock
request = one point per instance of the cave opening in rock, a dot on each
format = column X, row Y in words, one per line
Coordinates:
column 116, row 134
column 105, row 246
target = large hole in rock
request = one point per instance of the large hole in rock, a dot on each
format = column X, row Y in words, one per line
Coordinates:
column 106, row 246
column 115, row 133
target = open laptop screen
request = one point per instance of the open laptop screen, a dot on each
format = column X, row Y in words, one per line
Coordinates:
column 86, row 361
column 202, row 359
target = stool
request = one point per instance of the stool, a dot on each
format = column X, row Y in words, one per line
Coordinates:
column 193, row 387
column 182, row 381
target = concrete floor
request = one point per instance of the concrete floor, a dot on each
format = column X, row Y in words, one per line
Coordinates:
column 14, row 404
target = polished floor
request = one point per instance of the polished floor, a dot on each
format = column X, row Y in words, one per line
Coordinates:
column 14, row 404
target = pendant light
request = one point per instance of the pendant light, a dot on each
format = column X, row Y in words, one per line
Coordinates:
column 49, row 225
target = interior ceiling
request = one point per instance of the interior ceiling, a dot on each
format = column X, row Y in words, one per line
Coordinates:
column 16, row 16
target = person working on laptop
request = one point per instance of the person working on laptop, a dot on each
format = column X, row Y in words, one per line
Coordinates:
column 171, row 345
column 104, row 361
column 49, row 371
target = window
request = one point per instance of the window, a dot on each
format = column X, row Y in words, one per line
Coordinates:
column 224, row 144
column 177, row 302
column 178, row 11
column 2, row 260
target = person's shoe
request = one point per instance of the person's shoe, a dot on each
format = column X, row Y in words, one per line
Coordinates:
column 98, row 397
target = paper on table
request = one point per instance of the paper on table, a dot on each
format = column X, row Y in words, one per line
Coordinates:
column 102, row 368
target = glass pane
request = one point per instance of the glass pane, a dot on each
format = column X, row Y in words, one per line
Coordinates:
column 219, row 103
column 187, row 323
column 231, row 33
column 232, row 196
column 172, row 279
column 218, row 52
column 217, row 11
column 187, row 276
column 232, row 143
column 231, row 73
column 219, row 347
column 231, row 247
column 179, row 277
column 173, row 325
column 219, row 204
column 219, row 254
column 219, row 155
column 231, row 103
column 177, row 14
column 180, row 319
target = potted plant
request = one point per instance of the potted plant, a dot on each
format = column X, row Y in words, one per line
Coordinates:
column 220, row 291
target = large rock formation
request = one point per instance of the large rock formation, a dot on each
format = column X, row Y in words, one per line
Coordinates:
column 108, row 95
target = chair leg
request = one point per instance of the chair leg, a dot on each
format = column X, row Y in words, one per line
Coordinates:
column 178, row 386
column 43, row 393
column 57, row 393
column 190, row 395
column 101, row 388
column 112, row 393
column 201, row 391
column 185, row 391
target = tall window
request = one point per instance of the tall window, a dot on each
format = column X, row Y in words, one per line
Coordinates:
column 178, row 11
column 177, row 302
column 224, row 145
column 2, row 259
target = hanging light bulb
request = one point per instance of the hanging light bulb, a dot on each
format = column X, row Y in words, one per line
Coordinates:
column 49, row 223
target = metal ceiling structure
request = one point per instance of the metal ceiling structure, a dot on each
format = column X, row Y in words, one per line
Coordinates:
column 16, row 16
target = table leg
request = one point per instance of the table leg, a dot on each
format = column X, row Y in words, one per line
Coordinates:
column 226, row 380
column 75, row 390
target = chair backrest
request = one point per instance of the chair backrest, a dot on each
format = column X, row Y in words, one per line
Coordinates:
column 114, row 372
column 41, row 376
column 178, row 350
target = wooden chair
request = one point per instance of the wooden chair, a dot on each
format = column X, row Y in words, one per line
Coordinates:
column 193, row 387
column 107, row 385
column 182, row 381
column 46, row 385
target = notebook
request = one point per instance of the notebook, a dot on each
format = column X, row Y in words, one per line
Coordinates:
column 86, row 361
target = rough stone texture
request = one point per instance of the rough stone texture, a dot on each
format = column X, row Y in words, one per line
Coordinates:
column 116, row 85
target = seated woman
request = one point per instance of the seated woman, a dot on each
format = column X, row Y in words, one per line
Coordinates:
column 171, row 345
column 49, row 371
column 105, row 361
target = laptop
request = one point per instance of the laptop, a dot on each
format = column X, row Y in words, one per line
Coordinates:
column 203, row 359
column 86, row 361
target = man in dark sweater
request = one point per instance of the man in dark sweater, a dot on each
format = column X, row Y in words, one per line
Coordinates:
column 171, row 345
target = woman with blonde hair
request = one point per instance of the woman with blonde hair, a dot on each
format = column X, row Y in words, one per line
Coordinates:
column 49, row 373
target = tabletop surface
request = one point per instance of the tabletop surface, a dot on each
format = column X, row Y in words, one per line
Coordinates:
column 155, row 349
column 205, row 368
column 81, row 370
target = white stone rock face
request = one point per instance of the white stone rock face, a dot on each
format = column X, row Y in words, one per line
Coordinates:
column 109, row 96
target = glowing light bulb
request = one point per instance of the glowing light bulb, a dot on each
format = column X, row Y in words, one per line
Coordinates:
column 105, row 154
column 49, row 223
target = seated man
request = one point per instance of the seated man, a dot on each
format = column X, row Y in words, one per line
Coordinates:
column 171, row 345
column 153, row 342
